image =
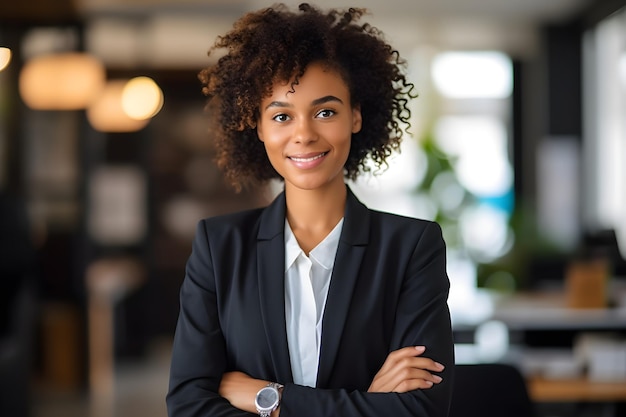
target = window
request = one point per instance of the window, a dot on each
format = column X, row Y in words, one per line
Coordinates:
column 604, row 52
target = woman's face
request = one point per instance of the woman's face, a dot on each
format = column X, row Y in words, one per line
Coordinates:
column 307, row 132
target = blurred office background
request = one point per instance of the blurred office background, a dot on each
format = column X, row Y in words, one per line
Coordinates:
column 106, row 165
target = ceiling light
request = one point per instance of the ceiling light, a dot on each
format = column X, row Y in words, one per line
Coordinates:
column 63, row 81
column 142, row 98
column 107, row 114
column 5, row 57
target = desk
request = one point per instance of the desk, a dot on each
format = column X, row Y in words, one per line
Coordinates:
column 575, row 390
column 548, row 311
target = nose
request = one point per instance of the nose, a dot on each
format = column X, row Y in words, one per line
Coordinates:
column 304, row 131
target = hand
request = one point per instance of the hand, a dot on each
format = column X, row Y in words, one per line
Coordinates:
column 405, row 371
column 241, row 389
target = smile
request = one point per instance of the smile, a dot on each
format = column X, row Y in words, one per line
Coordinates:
column 309, row 159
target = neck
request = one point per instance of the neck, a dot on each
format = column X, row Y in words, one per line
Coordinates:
column 312, row 214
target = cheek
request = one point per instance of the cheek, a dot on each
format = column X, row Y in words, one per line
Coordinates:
column 272, row 146
column 274, row 137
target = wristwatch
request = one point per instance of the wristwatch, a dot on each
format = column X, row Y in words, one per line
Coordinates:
column 268, row 399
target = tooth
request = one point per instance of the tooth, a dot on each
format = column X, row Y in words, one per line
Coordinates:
column 307, row 159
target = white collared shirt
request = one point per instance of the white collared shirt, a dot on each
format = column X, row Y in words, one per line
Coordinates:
column 306, row 286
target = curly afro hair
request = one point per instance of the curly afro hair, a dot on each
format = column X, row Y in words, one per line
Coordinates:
column 277, row 44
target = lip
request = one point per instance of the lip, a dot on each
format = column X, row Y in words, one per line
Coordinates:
column 308, row 160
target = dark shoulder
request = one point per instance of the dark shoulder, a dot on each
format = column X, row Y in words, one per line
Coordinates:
column 241, row 220
column 410, row 230
column 262, row 223
column 401, row 221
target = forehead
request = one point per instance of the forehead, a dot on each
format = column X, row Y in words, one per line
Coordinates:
column 317, row 77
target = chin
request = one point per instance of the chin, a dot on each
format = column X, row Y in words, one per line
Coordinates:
column 315, row 184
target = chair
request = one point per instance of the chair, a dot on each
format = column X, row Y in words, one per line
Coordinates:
column 490, row 390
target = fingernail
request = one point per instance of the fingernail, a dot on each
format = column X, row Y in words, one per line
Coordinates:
column 420, row 348
column 440, row 366
column 437, row 378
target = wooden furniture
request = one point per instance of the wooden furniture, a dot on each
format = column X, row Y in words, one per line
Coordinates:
column 575, row 390
column 108, row 281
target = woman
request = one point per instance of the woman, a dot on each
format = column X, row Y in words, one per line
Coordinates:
column 315, row 305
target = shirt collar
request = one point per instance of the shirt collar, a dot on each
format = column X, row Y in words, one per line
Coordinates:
column 292, row 248
column 323, row 253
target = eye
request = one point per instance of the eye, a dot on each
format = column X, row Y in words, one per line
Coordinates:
column 325, row 113
column 282, row 117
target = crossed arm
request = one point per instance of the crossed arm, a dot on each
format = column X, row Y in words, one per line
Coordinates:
column 404, row 370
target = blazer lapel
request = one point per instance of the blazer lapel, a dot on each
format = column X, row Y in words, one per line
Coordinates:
column 271, row 281
column 352, row 245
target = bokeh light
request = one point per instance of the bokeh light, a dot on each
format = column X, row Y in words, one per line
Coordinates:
column 485, row 232
column 476, row 74
column 106, row 114
column 5, row 57
column 142, row 98
column 63, row 81
column 479, row 147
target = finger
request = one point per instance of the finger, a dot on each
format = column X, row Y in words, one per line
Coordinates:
column 423, row 375
column 422, row 363
column 411, row 374
column 411, row 385
column 397, row 355
column 403, row 370
column 412, row 364
column 404, row 385
column 405, row 365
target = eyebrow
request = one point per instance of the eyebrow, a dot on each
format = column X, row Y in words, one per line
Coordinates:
column 315, row 102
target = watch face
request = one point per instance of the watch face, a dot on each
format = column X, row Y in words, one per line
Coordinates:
column 267, row 398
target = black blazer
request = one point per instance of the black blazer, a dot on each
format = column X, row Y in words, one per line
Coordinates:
column 388, row 290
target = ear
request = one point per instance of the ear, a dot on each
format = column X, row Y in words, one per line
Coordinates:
column 357, row 119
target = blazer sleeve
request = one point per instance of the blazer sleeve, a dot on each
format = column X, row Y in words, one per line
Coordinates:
column 198, row 353
column 422, row 318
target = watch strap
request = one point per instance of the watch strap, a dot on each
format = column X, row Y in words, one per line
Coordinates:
column 276, row 385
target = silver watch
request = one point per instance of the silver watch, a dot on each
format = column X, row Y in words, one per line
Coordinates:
column 268, row 399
